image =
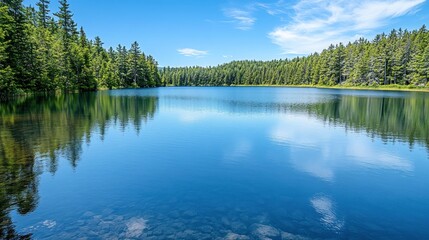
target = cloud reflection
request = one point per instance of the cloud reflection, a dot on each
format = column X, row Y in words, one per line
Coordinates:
column 239, row 150
column 309, row 143
column 367, row 156
column 191, row 116
column 321, row 150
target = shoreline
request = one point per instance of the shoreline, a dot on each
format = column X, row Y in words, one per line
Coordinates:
column 375, row 88
column 399, row 88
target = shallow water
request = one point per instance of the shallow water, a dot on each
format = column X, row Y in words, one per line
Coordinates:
column 216, row 163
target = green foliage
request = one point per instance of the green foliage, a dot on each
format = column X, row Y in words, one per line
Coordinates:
column 44, row 53
column 6, row 75
column 401, row 58
column 43, row 17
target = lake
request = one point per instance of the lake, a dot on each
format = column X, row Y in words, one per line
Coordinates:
column 216, row 163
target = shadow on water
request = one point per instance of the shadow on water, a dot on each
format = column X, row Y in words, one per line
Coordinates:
column 36, row 130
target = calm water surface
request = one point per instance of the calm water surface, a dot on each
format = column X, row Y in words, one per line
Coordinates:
column 216, row 163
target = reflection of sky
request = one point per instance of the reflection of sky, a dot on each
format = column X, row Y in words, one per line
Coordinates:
column 240, row 150
column 310, row 145
column 314, row 147
column 321, row 150
column 187, row 116
column 246, row 153
column 372, row 157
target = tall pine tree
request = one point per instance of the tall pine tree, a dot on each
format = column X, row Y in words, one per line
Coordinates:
column 43, row 13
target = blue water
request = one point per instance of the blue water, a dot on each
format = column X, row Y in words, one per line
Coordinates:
column 221, row 163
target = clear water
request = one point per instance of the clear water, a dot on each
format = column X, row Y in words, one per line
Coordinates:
column 216, row 163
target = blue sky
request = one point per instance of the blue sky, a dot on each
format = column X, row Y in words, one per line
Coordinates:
column 211, row 32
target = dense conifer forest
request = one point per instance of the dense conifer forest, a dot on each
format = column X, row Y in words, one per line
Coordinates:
column 43, row 50
column 400, row 57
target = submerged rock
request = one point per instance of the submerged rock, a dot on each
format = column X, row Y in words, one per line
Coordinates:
column 238, row 227
column 135, row 227
column 290, row 236
column 207, row 229
column 235, row 236
column 88, row 214
column 187, row 234
column 190, row 213
column 264, row 231
column 107, row 211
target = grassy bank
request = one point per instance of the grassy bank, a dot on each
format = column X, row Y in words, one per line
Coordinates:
column 393, row 87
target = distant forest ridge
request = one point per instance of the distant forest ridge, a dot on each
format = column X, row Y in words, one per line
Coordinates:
column 401, row 58
column 41, row 52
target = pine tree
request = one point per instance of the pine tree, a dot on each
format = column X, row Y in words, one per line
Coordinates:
column 67, row 32
column 43, row 13
column 416, row 66
column 121, row 65
column 65, row 21
column 424, row 64
column 19, row 50
column 7, row 83
column 135, row 66
column 99, row 57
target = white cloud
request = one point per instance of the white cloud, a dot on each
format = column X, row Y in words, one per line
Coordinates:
column 380, row 11
column 276, row 8
column 189, row 52
column 242, row 19
column 316, row 24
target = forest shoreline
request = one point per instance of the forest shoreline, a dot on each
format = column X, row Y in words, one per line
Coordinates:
column 377, row 88
column 401, row 88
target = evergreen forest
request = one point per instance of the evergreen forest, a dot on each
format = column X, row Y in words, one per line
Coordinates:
column 42, row 50
column 398, row 58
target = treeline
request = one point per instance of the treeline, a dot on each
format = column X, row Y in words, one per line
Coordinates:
column 401, row 57
column 44, row 52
